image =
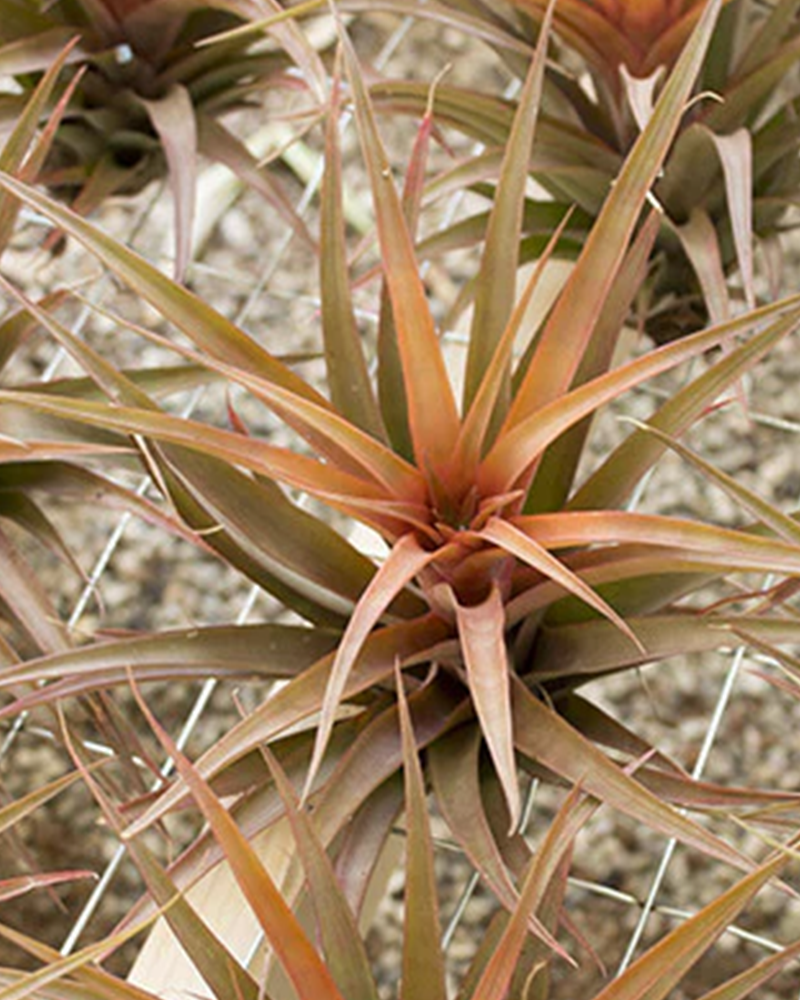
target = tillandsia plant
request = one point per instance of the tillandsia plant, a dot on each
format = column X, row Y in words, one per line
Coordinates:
column 150, row 86
column 508, row 583
column 38, row 456
column 733, row 171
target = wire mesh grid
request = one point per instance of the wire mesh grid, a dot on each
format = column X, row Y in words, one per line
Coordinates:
column 644, row 905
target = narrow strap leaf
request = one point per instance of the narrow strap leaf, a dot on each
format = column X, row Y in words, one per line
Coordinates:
column 423, row 975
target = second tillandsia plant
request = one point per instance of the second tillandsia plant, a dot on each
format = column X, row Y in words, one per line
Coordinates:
column 150, row 84
column 455, row 662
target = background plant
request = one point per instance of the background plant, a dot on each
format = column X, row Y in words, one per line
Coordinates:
column 465, row 531
column 148, row 92
column 729, row 179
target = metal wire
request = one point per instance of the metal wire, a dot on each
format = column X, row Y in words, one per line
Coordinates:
column 103, row 561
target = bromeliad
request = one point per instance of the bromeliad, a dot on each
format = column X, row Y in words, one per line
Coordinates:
column 507, row 582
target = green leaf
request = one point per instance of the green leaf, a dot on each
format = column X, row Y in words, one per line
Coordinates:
column 306, row 971
column 544, row 737
column 432, row 413
column 21, row 152
column 657, row 972
column 616, row 478
column 516, row 449
column 344, row 950
column 195, row 317
column 783, row 525
column 173, row 119
column 481, row 632
column 495, row 289
column 348, row 378
column 423, row 973
column 572, row 322
column 403, row 563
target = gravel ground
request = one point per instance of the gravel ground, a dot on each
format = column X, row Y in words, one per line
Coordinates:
column 154, row 581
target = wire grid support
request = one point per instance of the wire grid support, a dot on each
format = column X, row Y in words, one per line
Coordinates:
column 208, row 687
column 118, row 532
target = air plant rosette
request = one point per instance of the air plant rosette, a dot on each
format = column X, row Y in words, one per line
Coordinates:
column 150, row 84
column 727, row 185
column 507, row 585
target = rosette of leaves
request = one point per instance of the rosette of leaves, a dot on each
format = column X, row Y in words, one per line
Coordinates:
column 732, row 173
column 149, row 92
column 507, row 583
column 39, row 456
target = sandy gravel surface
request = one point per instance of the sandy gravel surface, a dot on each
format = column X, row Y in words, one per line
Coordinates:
column 155, row 581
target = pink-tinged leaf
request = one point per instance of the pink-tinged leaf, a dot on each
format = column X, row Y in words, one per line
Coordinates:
column 300, row 961
column 303, row 696
column 217, row 143
column 432, row 413
column 699, row 240
column 173, row 119
column 663, row 966
column 403, row 563
column 357, row 764
column 521, row 539
column 195, row 317
column 291, row 39
column 295, row 470
column 640, row 93
column 547, row 739
column 495, row 289
column 391, row 386
column 338, row 929
column 348, row 377
column 22, row 152
column 783, row 525
column 423, row 974
column 571, row 817
column 260, row 508
column 735, row 152
column 10, row 888
column 21, row 510
column 472, row 437
column 517, row 449
column 601, row 728
column 481, row 631
column 555, row 476
column 747, row 982
column 365, row 838
column 331, row 434
column 217, row 966
column 25, row 597
column 37, row 53
column 488, row 29
column 572, row 322
column 615, row 480
column 91, row 980
column 277, row 651
column 596, row 647
column 736, row 550
column 453, row 766
column 33, row 983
